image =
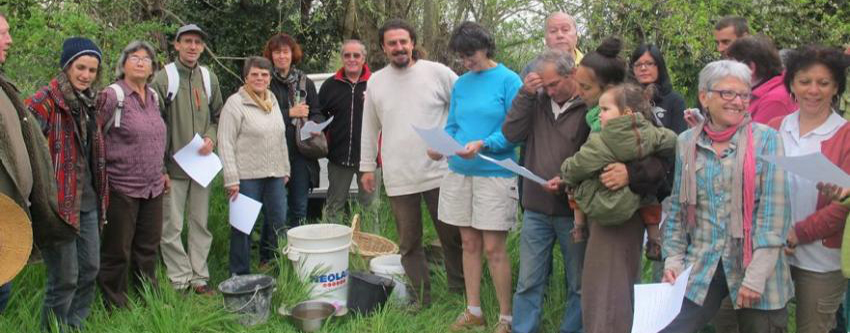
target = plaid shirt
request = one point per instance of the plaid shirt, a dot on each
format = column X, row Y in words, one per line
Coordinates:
column 49, row 107
column 711, row 240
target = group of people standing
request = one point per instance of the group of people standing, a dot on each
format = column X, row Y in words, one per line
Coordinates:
column 609, row 135
column 95, row 172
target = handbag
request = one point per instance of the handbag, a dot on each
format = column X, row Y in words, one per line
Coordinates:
column 314, row 147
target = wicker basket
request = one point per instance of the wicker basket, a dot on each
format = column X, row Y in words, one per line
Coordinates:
column 370, row 245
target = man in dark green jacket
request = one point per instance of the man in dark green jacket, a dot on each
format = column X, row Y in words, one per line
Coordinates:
column 193, row 101
column 26, row 173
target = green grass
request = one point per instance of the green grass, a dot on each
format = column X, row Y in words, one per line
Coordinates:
column 161, row 309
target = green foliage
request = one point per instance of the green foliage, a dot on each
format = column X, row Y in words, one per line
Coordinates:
column 683, row 29
column 239, row 29
column 38, row 37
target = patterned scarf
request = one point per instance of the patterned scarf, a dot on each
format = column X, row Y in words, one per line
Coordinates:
column 81, row 104
column 743, row 181
column 292, row 79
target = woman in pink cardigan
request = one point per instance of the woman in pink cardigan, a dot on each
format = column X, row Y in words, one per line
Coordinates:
column 770, row 99
column 815, row 77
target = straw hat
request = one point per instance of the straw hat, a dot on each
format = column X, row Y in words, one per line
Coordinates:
column 15, row 239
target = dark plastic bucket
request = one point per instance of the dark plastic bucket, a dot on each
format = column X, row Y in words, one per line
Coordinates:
column 249, row 297
column 367, row 292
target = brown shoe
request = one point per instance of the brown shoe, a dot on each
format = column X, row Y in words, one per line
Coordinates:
column 466, row 321
column 203, row 289
column 503, row 327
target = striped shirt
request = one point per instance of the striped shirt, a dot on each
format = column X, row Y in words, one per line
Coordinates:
column 711, row 240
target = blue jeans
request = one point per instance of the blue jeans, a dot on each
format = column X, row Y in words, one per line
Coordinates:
column 537, row 237
column 271, row 192
column 5, row 292
column 299, row 191
column 71, row 272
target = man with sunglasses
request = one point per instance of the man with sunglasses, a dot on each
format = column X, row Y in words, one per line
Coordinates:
column 342, row 97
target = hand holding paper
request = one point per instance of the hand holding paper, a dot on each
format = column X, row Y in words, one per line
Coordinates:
column 201, row 168
column 441, row 142
column 515, row 168
column 657, row 304
column 438, row 140
column 311, row 127
column 243, row 213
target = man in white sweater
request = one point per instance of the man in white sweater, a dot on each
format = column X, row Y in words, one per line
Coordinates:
column 410, row 92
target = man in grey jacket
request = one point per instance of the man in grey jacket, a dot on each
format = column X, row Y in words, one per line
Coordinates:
column 548, row 117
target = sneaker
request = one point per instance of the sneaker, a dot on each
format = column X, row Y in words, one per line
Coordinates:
column 503, row 327
column 466, row 321
column 203, row 289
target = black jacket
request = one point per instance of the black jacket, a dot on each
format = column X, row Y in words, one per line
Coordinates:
column 673, row 116
column 282, row 91
column 343, row 100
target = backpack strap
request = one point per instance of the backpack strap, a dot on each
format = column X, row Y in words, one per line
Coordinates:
column 115, row 121
column 155, row 96
column 173, row 81
column 205, row 76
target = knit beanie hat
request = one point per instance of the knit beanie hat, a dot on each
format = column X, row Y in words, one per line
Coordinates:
column 76, row 47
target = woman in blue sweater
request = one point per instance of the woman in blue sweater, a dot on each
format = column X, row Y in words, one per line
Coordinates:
column 478, row 196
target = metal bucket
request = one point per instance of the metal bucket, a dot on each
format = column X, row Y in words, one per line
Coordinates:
column 249, row 297
column 309, row 316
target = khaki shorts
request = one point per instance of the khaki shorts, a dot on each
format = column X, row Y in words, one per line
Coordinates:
column 483, row 203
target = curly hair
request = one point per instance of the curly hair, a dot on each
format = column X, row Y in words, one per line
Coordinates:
column 805, row 57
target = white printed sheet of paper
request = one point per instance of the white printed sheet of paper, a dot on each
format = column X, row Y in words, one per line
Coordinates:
column 657, row 304
column 438, row 140
column 814, row 167
column 202, row 168
column 244, row 212
column 515, row 168
column 311, row 127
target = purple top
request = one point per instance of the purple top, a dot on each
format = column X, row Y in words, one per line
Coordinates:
column 135, row 149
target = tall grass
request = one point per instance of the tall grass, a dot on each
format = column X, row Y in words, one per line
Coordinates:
column 162, row 309
column 159, row 308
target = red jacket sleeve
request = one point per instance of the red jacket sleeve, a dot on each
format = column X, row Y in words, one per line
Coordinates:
column 827, row 222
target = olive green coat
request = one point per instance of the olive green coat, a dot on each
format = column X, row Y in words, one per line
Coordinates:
column 43, row 210
column 622, row 139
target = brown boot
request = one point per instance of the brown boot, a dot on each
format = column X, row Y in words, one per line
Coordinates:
column 467, row 321
column 503, row 327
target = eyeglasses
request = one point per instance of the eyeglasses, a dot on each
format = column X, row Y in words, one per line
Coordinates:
column 352, row 55
column 641, row 65
column 730, row 95
column 136, row 59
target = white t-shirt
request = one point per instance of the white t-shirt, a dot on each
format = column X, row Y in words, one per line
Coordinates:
column 557, row 110
column 813, row 256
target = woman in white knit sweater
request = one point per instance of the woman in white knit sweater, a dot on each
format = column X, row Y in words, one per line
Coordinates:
column 256, row 164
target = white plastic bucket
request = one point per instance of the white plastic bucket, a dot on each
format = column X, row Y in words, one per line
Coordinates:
column 319, row 253
column 389, row 266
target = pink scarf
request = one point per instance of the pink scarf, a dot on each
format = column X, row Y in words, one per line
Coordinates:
column 743, row 181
